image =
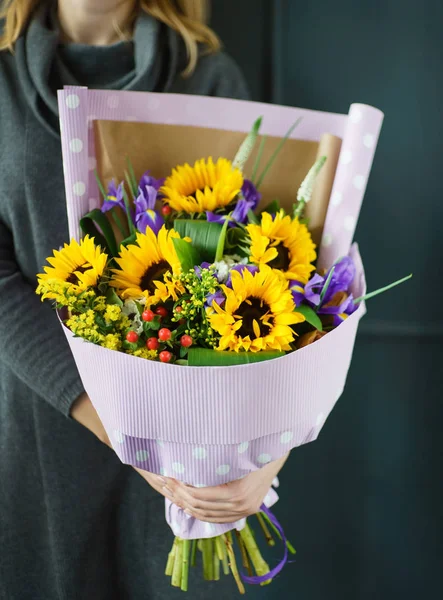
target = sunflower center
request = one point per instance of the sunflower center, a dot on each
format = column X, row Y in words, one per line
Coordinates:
column 73, row 277
column 154, row 273
column 282, row 260
column 253, row 313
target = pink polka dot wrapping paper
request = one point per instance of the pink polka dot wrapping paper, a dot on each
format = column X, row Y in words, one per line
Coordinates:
column 211, row 425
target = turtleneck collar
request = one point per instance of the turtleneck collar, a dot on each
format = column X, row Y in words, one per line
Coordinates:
column 150, row 62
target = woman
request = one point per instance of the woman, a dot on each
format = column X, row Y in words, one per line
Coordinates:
column 75, row 522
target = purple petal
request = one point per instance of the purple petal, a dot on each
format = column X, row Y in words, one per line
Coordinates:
column 313, row 289
column 298, row 292
column 198, row 268
column 240, row 268
column 147, row 180
column 213, row 217
column 218, row 297
column 250, row 193
column 240, row 212
column 114, row 197
column 150, row 219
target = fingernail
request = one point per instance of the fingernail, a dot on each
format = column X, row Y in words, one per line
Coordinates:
column 168, row 491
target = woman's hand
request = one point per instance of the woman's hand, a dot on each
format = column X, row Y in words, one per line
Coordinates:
column 223, row 503
column 220, row 504
column 84, row 413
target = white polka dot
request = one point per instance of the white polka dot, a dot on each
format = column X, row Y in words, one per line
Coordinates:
column 92, row 163
column 178, row 467
column 91, row 120
column 359, row 182
column 79, row 188
column 160, row 443
column 349, row 223
column 113, row 101
column 267, row 500
column 355, row 115
column 345, row 157
column 326, row 240
column 243, row 447
column 119, row 436
column 369, row 140
column 72, row 101
column 276, row 482
column 223, row 469
column 336, row 198
column 199, row 453
column 320, row 419
column 76, row 145
column 264, row 458
column 286, row 437
column 163, row 472
column 209, row 528
column 153, row 102
column 142, row 455
column 200, row 485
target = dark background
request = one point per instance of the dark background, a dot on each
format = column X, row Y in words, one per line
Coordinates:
column 363, row 505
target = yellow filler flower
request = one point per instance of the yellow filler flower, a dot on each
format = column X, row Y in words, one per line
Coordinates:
column 258, row 313
column 76, row 267
column 204, row 187
column 284, row 244
column 147, row 267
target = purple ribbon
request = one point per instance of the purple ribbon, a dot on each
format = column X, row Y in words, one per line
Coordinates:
column 276, row 570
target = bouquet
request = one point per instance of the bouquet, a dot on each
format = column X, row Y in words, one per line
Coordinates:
column 199, row 262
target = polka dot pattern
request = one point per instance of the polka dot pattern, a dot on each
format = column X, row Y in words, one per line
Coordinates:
column 355, row 161
column 79, row 188
column 76, row 145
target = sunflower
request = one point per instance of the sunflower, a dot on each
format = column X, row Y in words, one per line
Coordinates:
column 284, row 244
column 258, row 312
column 204, row 187
column 77, row 267
column 147, row 267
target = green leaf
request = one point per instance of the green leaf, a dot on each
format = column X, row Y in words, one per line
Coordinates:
column 131, row 239
column 100, row 185
column 203, row 357
column 204, row 236
column 234, row 237
column 327, row 283
column 247, row 146
column 131, row 178
column 258, row 158
column 95, row 221
column 221, row 241
column 310, row 315
column 381, row 290
column 187, row 254
column 275, row 154
column 272, row 208
column 181, row 362
column 112, row 298
column 128, row 211
column 252, row 217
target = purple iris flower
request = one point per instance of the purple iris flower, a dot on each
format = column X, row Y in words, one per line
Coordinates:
column 298, row 291
column 240, row 268
column 218, row 297
column 147, row 179
column 145, row 214
column 248, row 200
column 114, row 197
column 337, row 300
column 199, row 268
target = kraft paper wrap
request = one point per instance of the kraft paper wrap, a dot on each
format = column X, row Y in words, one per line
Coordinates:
column 211, row 425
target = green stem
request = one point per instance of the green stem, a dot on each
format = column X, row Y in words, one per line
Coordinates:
column 260, row 565
column 244, row 555
column 100, row 185
column 171, row 559
column 216, row 567
column 208, row 560
column 194, row 553
column 232, row 562
column 119, row 224
column 289, row 546
column 381, row 290
column 269, row 539
column 177, row 570
column 222, row 554
column 128, row 212
column 185, row 565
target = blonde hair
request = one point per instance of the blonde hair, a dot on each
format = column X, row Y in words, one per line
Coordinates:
column 186, row 17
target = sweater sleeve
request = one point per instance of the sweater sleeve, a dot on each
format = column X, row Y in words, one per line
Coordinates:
column 32, row 343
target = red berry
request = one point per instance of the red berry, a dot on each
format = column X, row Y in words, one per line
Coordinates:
column 148, row 315
column 132, row 337
column 152, row 343
column 161, row 311
column 166, row 210
column 165, row 356
column 179, row 309
column 164, row 334
column 186, row 341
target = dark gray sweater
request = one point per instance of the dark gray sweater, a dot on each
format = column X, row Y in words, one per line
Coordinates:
column 74, row 522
